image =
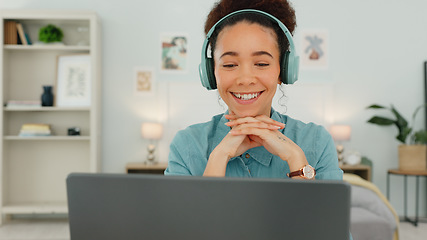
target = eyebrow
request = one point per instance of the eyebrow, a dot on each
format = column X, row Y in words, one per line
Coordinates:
column 257, row 53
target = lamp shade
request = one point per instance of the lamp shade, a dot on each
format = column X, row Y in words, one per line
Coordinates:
column 151, row 130
column 340, row 132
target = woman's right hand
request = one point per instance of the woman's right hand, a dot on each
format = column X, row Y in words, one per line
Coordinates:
column 232, row 146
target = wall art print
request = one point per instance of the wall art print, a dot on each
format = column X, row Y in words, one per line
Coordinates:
column 174, row 51
column 314, row 49
column 73, row 84
column 144, row 81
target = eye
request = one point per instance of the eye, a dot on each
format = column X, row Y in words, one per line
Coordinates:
column 262, row 64
column 229, row 65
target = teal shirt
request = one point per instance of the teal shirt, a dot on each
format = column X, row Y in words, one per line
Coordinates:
column 191, row 147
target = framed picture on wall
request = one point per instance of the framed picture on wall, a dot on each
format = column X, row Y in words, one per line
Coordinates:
column 73, row 84
column 314, row 49
column 144, row 81
column 174, row 52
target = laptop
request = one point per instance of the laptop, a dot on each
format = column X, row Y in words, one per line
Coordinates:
column 145, row 206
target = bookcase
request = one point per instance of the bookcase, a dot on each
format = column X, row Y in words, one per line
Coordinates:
column 33, row 170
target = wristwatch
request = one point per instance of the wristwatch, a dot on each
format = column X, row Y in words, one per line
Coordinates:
column 307, row 172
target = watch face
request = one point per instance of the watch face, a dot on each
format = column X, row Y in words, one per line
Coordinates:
column 308, row 172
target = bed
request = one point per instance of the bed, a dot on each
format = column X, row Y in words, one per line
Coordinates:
column 372, row 216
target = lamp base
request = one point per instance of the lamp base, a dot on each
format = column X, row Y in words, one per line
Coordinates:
column 151, row 159
column 340, row 152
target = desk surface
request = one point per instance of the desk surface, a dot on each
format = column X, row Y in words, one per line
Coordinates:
column 408, row 172
column 355, row 167
column 144, row 166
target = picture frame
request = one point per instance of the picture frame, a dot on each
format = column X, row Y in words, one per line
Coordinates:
column 144, row 81
column 314, row 49
column 174, row 52
column 73, row 81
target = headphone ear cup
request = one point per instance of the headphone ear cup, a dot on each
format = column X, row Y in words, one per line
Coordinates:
column 210, row 72
column 290, row 68
column 203, row 75
column 284, row 68
column 206, row 74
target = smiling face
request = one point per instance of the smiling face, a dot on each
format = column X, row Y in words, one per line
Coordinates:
column 247, row 68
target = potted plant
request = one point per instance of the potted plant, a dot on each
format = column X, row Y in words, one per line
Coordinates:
column 50, row 34
column 413, row 150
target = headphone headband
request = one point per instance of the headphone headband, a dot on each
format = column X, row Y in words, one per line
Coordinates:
column 291, row 61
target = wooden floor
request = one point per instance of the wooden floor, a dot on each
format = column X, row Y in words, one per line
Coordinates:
column 58, row 230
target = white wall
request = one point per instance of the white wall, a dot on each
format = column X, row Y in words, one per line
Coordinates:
column 377, row 50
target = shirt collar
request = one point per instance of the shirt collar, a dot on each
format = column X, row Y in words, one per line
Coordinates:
column 259, row 154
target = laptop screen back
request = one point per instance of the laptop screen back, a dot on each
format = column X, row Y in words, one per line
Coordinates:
column 119, row 206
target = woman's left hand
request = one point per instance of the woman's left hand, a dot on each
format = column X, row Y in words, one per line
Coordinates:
column 273, row 140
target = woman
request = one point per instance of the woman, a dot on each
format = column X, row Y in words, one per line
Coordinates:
column 251, row 139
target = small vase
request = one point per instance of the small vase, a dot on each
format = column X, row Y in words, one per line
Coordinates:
column 47, row 96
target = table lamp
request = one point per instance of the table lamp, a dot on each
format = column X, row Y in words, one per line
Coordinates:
column 340, row 133
column 153, row 132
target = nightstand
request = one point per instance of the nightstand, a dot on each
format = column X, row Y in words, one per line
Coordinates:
column 140, row 167
column 364, row 171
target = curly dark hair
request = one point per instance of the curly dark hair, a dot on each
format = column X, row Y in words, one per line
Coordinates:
column 281, row 9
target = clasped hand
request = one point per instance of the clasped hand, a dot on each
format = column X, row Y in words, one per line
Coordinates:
column 250, row 132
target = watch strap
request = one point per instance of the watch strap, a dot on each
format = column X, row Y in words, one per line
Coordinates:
column 296, row 173
column 300, row 173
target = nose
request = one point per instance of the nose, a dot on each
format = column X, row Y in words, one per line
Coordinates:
column 246, row 76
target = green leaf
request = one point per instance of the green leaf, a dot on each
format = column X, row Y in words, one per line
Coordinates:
column 376, row 106
column 400, row 120
column 403, row 134
column 416, row 111
column 381, row 121
column 420, row 137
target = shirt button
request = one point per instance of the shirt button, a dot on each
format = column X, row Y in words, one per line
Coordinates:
column 247, row 155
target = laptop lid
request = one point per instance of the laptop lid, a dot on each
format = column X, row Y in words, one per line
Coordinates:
column 139, row 206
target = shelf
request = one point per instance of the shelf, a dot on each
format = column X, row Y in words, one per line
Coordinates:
column 35, row 208
column 33, row 169
column 51, row 109
column 46, row 47
column 48, row 138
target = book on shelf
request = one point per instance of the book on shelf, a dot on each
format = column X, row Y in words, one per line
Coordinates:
column 21, row 34
column 35, row 129
column 28, row 38
column 10, row 32
column 23, row 103
column 15, row 33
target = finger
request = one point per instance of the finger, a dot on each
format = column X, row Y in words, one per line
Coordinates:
column 253, row 130
column 269, row 120
column 255, row 139
column 253, row 124
column 264, row 120
column 230, row 117
column 239, row 121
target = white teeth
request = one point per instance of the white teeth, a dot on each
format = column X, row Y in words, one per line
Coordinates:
column 246, row 96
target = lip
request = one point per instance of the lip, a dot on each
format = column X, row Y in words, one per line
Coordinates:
column 245, row 102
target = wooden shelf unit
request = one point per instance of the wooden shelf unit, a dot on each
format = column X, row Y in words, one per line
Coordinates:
column 33, row 170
